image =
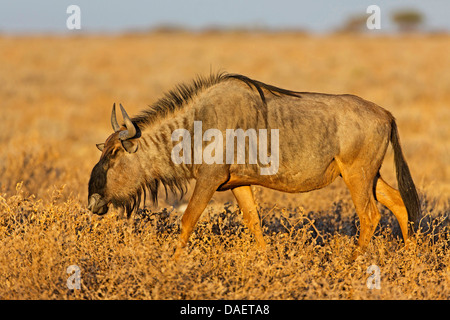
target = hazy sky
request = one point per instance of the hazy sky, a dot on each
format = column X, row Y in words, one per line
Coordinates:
column 19, row 16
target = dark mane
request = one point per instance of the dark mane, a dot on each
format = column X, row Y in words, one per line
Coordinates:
column 183, row 93
column 261, row 85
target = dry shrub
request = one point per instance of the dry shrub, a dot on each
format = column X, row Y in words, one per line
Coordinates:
column 131, row 259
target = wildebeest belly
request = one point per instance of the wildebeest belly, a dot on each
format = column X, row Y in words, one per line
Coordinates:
column 285, row 180
column 305, row 162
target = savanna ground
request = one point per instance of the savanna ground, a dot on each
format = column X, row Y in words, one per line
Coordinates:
column 56, row 95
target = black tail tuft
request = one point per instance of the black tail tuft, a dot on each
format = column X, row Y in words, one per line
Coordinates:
column 406, row 185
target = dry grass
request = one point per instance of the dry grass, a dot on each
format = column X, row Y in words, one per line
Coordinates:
column 56, row 97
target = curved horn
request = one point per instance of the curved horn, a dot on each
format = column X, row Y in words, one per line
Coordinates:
column 114, row 122
column 131, row 129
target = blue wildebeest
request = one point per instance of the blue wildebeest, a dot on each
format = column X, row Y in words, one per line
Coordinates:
column 321, row 136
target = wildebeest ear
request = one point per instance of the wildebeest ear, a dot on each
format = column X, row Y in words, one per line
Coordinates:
column 130, row 145
column 100, row 146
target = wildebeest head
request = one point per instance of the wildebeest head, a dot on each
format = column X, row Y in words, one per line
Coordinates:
column 114, row 177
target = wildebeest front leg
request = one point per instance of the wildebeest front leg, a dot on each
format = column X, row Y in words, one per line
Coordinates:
column 246, row 202
column 206, row 185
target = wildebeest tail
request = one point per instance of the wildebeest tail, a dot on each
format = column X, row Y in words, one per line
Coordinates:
column 405, row 182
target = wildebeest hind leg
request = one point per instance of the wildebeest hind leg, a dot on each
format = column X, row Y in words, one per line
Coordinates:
column 391, row 198
column 360, row 183
column 246, row 202
column 368, row 214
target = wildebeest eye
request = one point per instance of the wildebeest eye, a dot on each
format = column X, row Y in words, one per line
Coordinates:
column 130, row 146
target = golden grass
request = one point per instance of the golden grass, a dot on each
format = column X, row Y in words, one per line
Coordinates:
column 56, row 98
